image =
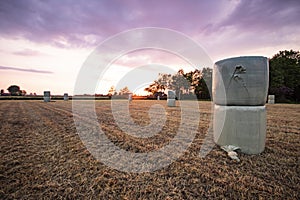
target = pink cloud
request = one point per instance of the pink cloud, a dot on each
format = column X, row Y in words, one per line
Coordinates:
column 50, row 21
column 25, row 70
column 66, row 24
column 27, row 52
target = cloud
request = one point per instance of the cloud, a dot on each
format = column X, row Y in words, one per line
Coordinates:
column 25, row 70
column 86, row 23
column 27, row 52
column 261, row 15
column 255, row 27
column 223, row 27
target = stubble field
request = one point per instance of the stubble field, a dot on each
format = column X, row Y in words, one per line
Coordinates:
column 42, row 157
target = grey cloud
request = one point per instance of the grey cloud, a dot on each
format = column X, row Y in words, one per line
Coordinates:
column 27, row 52
column 261, row 15
column 65, row 23
column 25, row 70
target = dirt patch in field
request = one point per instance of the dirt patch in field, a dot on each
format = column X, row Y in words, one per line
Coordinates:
column 42, row 156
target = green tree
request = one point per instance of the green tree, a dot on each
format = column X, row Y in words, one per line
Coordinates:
column 284, row 69
column 14, row 90
column 153, row 88
column 205, row 83
column 197, row 81
column 201, row 82
column 23, row 92
column 160, row 85
column 164, row 81
column 180, row 84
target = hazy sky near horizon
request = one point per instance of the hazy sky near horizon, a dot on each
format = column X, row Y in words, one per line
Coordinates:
column 43, row 44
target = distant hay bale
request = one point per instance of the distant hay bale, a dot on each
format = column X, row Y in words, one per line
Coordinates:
column 47, row 96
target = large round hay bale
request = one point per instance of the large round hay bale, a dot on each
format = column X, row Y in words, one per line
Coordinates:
column 241, row 81
column 271, row 99
column 241, row 126
column 171, row 94
column 171, row 102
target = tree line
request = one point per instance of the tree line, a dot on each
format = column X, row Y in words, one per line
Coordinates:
column 13, row 90
column 197, row 82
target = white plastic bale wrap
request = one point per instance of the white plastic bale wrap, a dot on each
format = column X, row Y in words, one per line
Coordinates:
column 66, row 97
column 241, row 126
column 245, row 80
column 130, row 97
column 171, row 101
column 47, row 96
column 271, row 99
column 171, row 94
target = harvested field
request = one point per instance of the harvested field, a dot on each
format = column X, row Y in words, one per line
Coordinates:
column 42, row 157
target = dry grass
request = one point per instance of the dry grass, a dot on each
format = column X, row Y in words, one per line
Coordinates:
column 42, row 157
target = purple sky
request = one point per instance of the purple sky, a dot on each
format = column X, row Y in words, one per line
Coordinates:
column 35, row 34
